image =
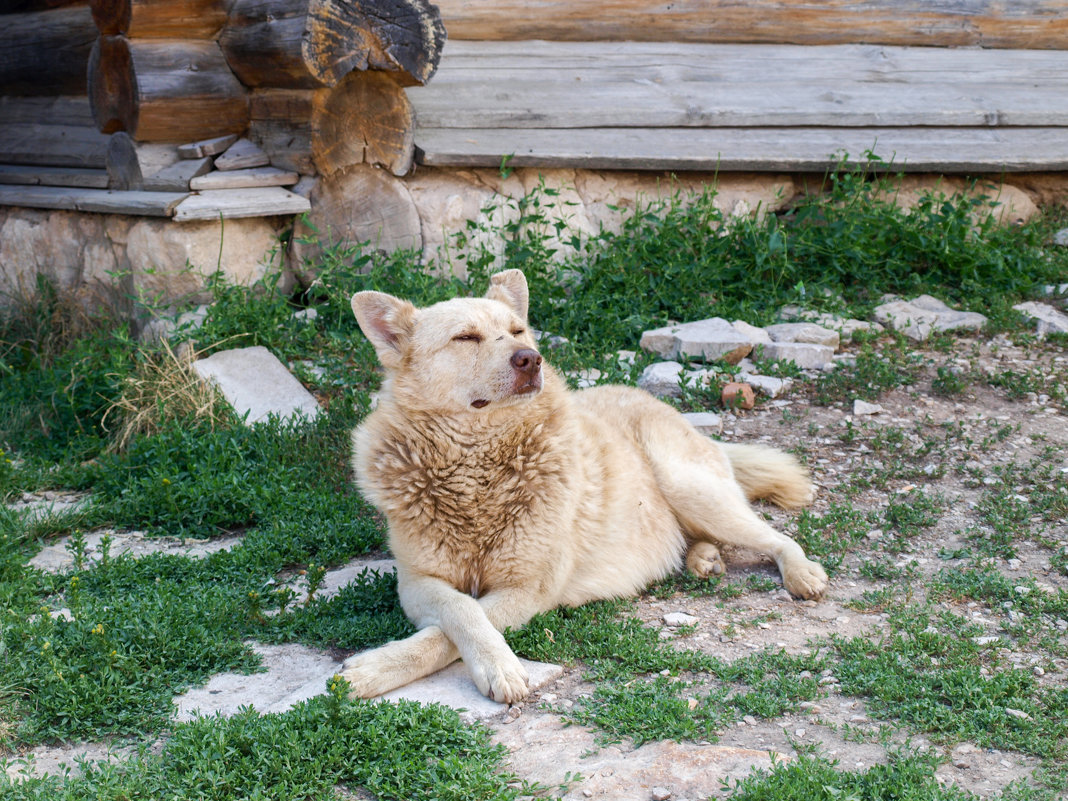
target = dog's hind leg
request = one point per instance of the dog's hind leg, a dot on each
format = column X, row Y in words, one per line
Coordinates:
column 711, row 505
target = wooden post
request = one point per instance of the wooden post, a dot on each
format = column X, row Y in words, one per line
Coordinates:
column 45, row 52
column 305, row 44
column 366, row 119
column 164, row 90
column 159, row 19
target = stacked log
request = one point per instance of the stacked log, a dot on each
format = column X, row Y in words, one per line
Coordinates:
column 152, row 19
column 45, row 52
column 164, row 90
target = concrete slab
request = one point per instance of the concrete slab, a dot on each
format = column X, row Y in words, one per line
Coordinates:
column 256, row 383
column 453, row 687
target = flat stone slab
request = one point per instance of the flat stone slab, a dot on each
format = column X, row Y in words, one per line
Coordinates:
column 661, row 378
column 57, row 557
column 453, row 687
column 294, row 673
column 804, row 332
column 621, row 772
column 806, row 355
column 705, row 422
column 920, row 317
column 714, row 338
column 256, row 383
column 1048, row 320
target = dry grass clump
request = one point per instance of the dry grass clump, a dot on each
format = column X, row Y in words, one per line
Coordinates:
column 164, row 387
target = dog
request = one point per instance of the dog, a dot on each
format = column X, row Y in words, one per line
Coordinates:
column 506, row 494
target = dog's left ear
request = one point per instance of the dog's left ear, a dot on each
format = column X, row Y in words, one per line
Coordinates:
column 510, row 288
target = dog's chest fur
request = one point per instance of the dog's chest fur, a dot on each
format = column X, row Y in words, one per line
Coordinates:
column 468, row 505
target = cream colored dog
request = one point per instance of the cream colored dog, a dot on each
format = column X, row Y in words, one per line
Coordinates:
column 508, row 495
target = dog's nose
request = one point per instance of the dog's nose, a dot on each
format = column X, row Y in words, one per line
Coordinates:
column 526, row 360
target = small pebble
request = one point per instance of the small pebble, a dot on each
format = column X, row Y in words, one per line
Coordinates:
column 660, row 794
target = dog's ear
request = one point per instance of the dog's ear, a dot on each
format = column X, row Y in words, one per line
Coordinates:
column 510, row 288
column 386, row 321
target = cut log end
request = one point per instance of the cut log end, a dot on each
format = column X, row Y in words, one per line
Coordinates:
column 366, row 119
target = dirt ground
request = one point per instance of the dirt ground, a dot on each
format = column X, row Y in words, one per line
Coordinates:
column 545, row 750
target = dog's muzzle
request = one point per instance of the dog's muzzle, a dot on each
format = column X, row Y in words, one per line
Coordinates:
column 527, row 365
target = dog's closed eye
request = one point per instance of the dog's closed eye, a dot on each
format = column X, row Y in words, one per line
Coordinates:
column 518, row 332
column 468, row 336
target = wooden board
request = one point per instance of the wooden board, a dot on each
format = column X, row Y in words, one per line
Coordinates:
column 795, row 149
column 176, row 177
column 1013, row 24
column 151, row 204
column 244, row 179
column 569, row 85
column 242, row 155
column 226, row 203
column 53, row 176
column 58, row 110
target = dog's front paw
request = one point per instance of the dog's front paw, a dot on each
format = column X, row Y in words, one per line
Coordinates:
column 805, row 579
column 504, row 679
column 365, row 674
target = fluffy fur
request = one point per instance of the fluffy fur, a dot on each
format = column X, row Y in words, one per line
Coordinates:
column 507, row 495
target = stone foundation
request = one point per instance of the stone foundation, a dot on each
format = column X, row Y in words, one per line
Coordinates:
column 149, row 263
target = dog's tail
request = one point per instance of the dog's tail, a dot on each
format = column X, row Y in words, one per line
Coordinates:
column 770, row 474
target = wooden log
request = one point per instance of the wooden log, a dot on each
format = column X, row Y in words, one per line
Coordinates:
column 153, row 19
column 1025, row 24
column 130, row 163
column 53, row 145
column 45, row 52
column 164, row 90
column 59, row 110
column 366, row 119
column 22, row 6
column 304, row 44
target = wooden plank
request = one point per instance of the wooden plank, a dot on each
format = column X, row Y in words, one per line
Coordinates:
column 263, row 202
column 244, row 179
column 151, row 204
column 176, row 177
column 206, row 147
column 1016, row 24
column 53, row 145
column 674, row 62
column 53, row 176
column 241, row 155
column 766, row 149
column 779, row 102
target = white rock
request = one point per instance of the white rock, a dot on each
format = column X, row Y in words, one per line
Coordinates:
column 661, row 378
column 861, row 408
column 1061, row 238
column 804, row 332
column 709, row 339
column 1049, row 320
column 660, row 794
column 769, row 385
column 919, row 318
column 806, row 355
column 676, row 619
column 755, row 334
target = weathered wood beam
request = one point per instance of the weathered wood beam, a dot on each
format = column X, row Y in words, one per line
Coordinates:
column 164, row 90
column 304, row 44
column 45, row 52
column 53, row 176
column 985, row 23
column 151, row 204
column 153, row 19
